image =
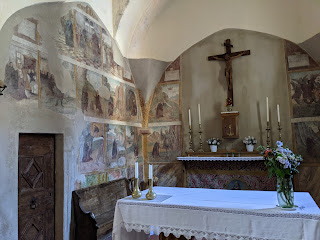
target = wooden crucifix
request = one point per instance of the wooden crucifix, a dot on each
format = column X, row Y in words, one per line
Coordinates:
column 228, row 57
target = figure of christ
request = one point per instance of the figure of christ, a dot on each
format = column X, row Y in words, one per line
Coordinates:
column 228, row 57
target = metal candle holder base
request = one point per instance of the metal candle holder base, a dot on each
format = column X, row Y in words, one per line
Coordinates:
column 268, row 134
column 200, row 136
column 279, row 128
column 190, row 141
column 136, row 192
column 151, row 194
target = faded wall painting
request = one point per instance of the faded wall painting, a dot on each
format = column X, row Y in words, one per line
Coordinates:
column 21, row 72
column 65, row 37
column 28, row 30
column 107, row 51
column 115, row 146
column 164, row 143
column 88, row 39
column 307, row 136
column 131, row 113
column 58, row 91
column 94, row 179
column 169, row 175
column 91, row 148
column 165, row 104
column 116, row 101
column 116, row 174
column 90, row 101
column 133, row 145
column 305, row 91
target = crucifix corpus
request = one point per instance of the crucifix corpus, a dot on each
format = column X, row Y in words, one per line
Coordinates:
column 228, row 57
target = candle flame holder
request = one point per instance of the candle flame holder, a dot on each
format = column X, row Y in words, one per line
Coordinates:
column 200, row 136
column 190, row 140
column 136, row 192
column 279, row 128
column 151, row 194
column 268, row 134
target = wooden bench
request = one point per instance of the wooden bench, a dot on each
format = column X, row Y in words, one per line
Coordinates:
column 94, row 209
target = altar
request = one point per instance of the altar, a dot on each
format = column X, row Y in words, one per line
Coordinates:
column 216, row 214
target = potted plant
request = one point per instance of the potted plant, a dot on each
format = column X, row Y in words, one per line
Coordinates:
column 229, row 104
column 213, row 143
column 282, row 163
column 249, row 142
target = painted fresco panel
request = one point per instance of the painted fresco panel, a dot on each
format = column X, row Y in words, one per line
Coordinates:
column 91, row 148
column 130, row 172
column 27, row 30
column 133, row 145
column 21, row 73
column 65, row 38
column 164, row 143
column 90, row 101
column 115, row 146
column 58, row 91
column 307, row 136
column 165, row 106
column 116, row 174
column 116, row 102
column 168, row 175
column 94, row 179
column 131, row 104
column 88, row 38
column 305, row 91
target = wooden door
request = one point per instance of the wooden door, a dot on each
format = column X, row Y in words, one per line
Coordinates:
column 36, row 187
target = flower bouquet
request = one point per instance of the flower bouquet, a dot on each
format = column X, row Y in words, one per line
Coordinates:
column 213, row 143
column 229, row 104
column 249, row 142
column 282, row 163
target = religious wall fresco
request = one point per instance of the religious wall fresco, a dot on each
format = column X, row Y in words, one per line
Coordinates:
column 164, row 143
column 172, row 73
column 307, row 135
column 91, row 148
column 116, row 102
column 65, row 38
column 58, row 91
column 27, row 30
column 21, row 72
column 133, row 145
column 169, row 175
column 88, row 40
column 90, row 101
column 107, row 51
column 115, row 146
column 305, row 91
column 131, row 113
column 116, row 174
column 165, row 106
column 94, row 179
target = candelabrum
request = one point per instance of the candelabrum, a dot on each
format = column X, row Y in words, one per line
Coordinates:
column 279, row 128
column 151, row 194
column 268, row 134
column 200, row 136
column 136, row 192
column 190, row 140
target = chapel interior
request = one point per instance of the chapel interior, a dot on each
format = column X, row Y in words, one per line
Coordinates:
column 95, row 91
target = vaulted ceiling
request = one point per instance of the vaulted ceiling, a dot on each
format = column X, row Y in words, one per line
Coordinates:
column 163, row 29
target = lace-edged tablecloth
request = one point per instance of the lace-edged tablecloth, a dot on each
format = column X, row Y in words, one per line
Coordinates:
column 217, row 214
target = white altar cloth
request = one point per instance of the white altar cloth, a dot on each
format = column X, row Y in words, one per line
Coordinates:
column 216, row 214
column 229, row 159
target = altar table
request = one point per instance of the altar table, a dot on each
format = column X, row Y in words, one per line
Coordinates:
column 216, row 214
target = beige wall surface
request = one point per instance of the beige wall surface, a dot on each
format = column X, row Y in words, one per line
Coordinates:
column 255, row 77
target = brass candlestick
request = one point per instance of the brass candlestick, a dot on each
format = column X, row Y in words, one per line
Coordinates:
column 279, row 128
column 136, row 192
column 151, row 194
column 190, row 140
column 268, row 134
column 200, row 136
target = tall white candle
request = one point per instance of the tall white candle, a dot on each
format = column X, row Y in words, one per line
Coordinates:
column 150, row 172
column 278, row 110
column 199, row 111
column 136, row 172
column 267, row 109
column 189, row 118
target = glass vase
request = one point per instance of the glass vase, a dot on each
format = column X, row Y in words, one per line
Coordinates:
column 285, row 193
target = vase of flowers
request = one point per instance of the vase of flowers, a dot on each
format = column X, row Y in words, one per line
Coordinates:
column 213, row 143
column 282, row 163
column 229, row 104
column 249, row 142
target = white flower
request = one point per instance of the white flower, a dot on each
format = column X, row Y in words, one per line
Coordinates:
column 279, row 144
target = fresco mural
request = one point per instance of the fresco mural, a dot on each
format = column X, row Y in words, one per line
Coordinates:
column 89, row 100
column 164, row 143
column 116, row 174
column 133, row 145
column 21, row 72
column 27, row 30
column 91, row 148
column 65, row 37
column 307, row 135
column 107, row 51
column 165, row 104
column 88, row 39
column 94, row 179
column 58, row 93
column 169, row 175
column 305, row 91
column 131, row 113
column 116, row 102
column 115, row 146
